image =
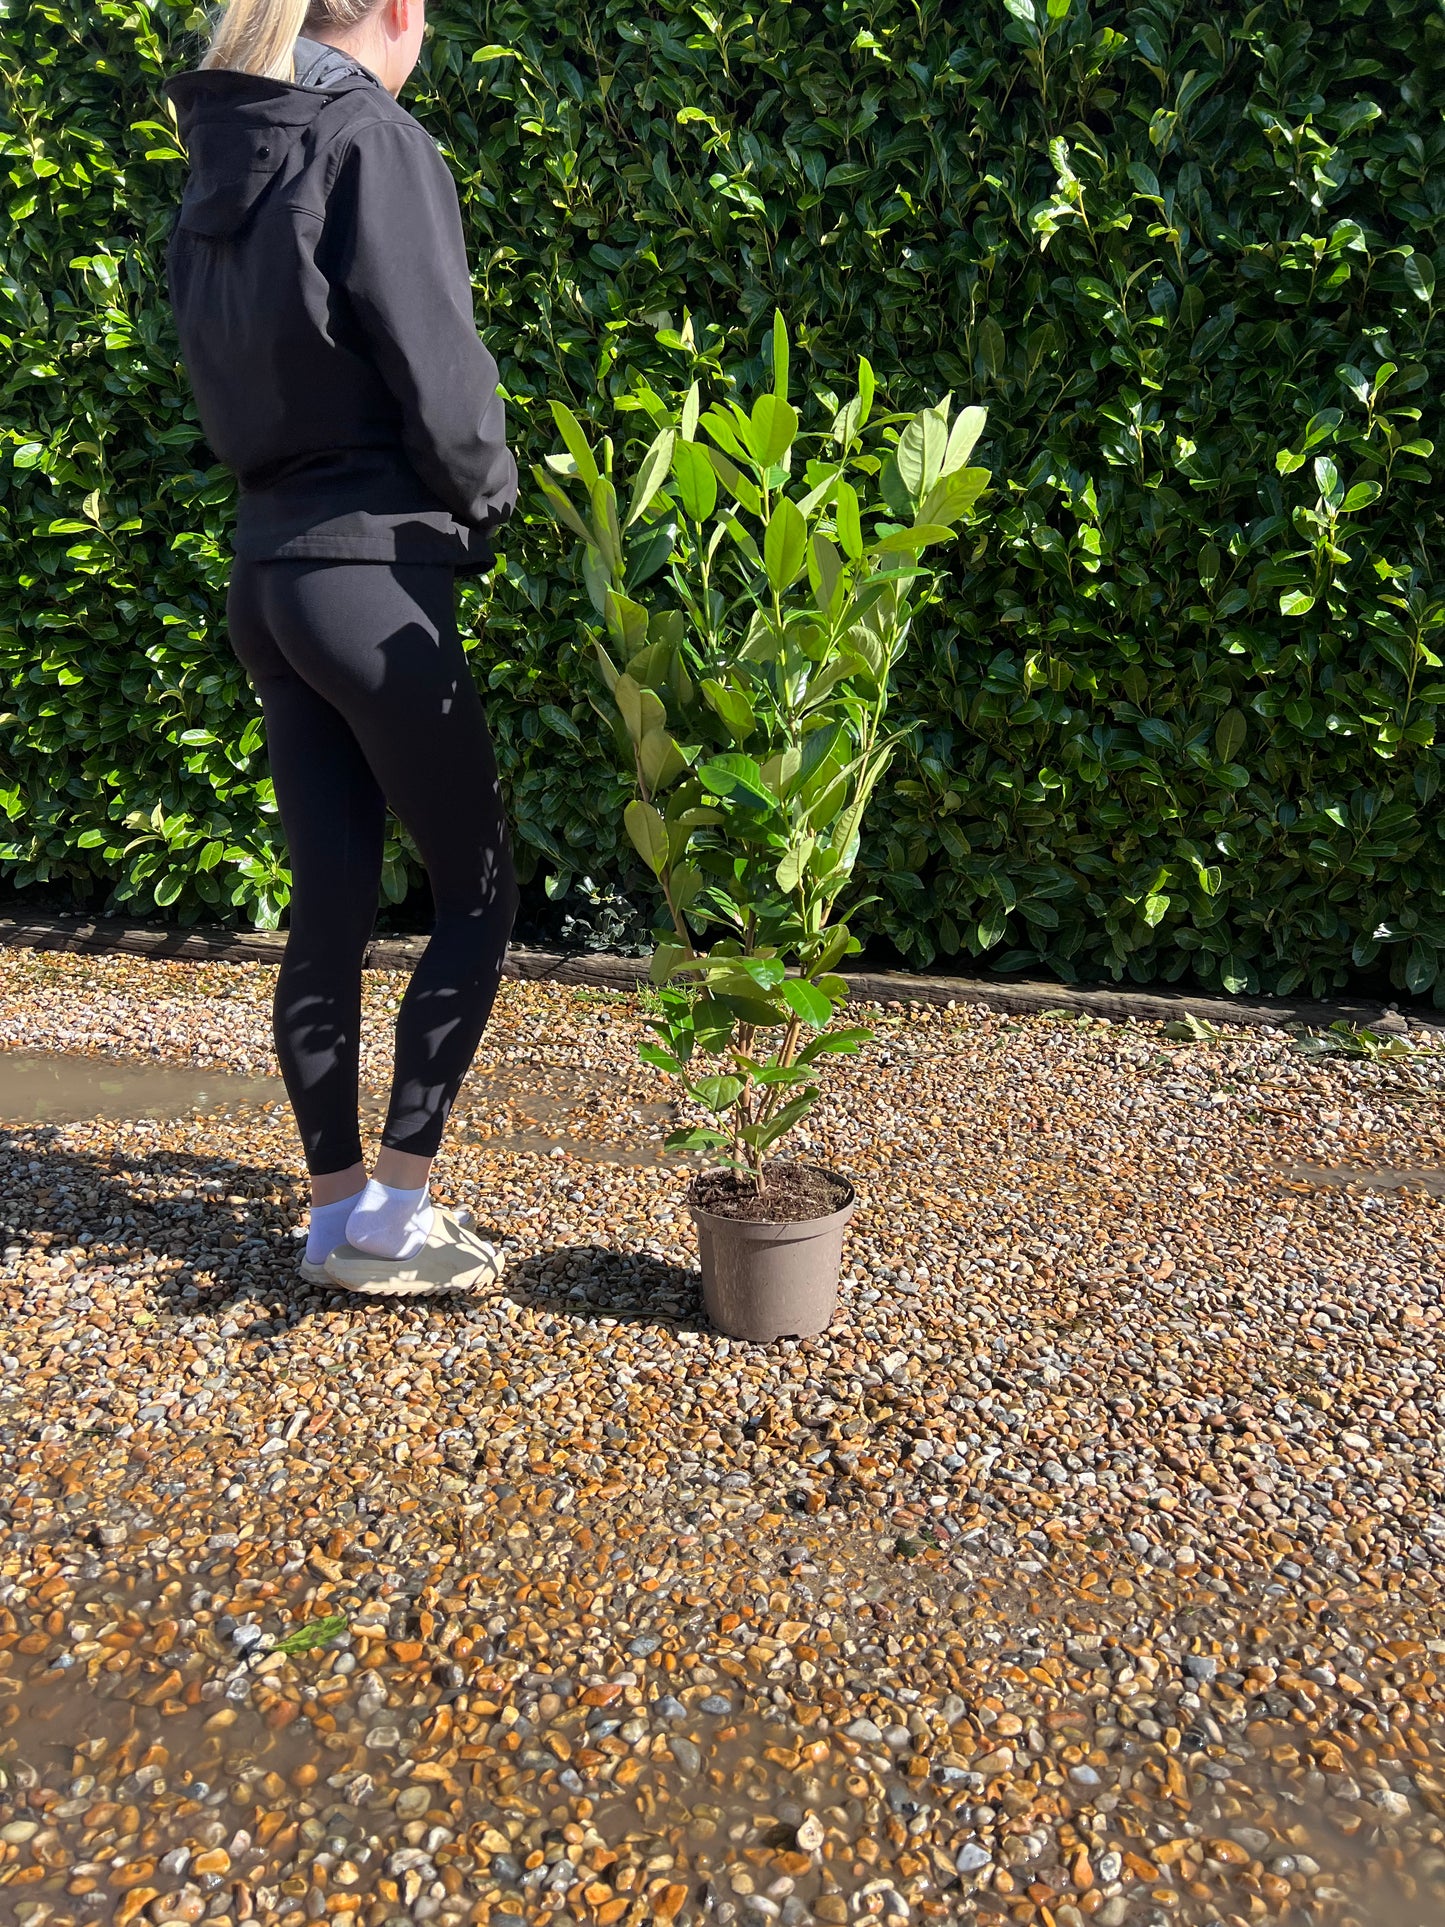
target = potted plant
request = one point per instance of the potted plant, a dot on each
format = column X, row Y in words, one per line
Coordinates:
column 753, row 589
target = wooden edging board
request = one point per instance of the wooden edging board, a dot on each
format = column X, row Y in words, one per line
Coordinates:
column 119, row 936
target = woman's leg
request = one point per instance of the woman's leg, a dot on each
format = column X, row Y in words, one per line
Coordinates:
column 333, row 815
column 380, row 643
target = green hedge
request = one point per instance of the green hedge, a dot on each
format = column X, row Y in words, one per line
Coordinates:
column 1178, row 716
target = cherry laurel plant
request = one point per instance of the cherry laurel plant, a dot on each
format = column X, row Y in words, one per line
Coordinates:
column 751, row 605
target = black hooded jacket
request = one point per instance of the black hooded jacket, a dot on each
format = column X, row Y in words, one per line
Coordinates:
column 319, row 280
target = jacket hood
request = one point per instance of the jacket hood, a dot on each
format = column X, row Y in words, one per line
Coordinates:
column 238, row 130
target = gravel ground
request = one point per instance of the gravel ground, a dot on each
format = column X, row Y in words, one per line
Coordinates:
column 1086, row 1569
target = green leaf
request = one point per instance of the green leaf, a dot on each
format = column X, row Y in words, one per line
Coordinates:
column 315, row 1632
column 842, row 1042
column 696, row 480
column 820, row 492
column 665, row 959
column 910, row 541
column 558, row 719
column 825, row 576
column 779, row 771
column 597, row 577
column 848, row 521
column 733, row 707
column 576, row 443
column 627, row 694
column 805, row 1000
column 792, row 866
column 774, row 429
column 1420, row 276
column 1422, row 968
column 784, row 544
column 764, row 972
column 651, row 475
column 780, row 355
column 717, row 1093
column 696, row 1137
column 962, row 437
column 606, row 531
column 991, row 345
column 732, row 433
column 911, row 456
column 760, row 1012
column 661, row 760
column 1296, row 602
column 747, row 494
column 839, row 943
column 867, row 386
column 561, row 508
column 1231, row 733
column 1361, row 496
column 953, row 497
column 762, row 1137
column 649, row 834
column 738, row 779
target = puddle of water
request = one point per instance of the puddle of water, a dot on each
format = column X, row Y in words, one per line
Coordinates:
column 135, row 1765
column 60, row 1087
column 549, row 1111
column 584, row 1150
column 1336, row 1177
column 478, row 1761
column 539, row 1114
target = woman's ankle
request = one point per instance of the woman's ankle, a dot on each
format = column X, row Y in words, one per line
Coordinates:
column 330, row 1187
column 400, row 1170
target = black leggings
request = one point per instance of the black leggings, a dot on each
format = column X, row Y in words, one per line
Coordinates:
column 368, row 701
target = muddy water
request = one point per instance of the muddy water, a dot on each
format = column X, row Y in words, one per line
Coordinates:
column 600, row 1120
column 1427, row 1178
column 59, row 1087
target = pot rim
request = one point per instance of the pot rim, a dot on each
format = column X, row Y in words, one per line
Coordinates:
column 798, row 1226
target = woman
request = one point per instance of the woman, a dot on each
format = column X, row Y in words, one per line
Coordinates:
column 319, row 281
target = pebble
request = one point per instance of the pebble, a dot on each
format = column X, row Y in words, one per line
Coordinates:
column 1087, row 1568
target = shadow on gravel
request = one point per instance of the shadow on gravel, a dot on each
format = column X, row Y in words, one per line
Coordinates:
column 230, row 1239
column 207, row 1253
column 591, row 1283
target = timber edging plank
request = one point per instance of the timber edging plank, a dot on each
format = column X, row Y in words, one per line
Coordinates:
column 118, row 936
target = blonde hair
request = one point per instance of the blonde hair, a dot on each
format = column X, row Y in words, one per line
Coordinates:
column 258, row 36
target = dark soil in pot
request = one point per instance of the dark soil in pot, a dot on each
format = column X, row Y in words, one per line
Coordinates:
column 790, row 1192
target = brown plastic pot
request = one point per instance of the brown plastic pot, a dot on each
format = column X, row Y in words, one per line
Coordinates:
column 764, row 1281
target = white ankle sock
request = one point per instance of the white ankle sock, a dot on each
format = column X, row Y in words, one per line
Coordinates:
column 389, row 1223
column 326, row 1227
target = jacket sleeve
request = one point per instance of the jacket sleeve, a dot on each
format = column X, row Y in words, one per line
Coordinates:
column 402, row 262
